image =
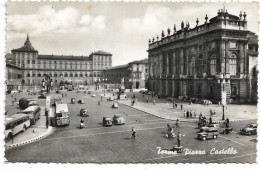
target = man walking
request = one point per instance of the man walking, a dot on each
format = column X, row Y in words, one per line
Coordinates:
column 179, row 139
column 181, row 106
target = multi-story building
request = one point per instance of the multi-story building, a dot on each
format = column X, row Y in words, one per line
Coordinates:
column 208, row 61
column 74, row 69
column 134, row 74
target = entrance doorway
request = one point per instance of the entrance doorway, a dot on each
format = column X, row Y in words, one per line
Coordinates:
column 137, row 84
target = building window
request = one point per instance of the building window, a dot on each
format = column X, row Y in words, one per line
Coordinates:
column 81, row 75
column 233, row 45
column 213, row 65
column 201, row 65
column 233, row 90
column 86, row 75
column 66, row 75
column 71, row 75
column 55, row 75
column 192, row 66
column 39, row 75
column 50, row 75
column 233, row 64
column 76, row 75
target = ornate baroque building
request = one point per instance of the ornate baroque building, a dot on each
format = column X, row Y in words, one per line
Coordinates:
column 203, row 62
column 75, row 69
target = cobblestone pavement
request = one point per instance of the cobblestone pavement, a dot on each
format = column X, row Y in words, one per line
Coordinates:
column 99, row 144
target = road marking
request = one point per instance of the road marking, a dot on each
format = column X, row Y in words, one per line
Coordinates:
column 103, row 127
column 230, row 157
column 232, row 141
column 112, row 132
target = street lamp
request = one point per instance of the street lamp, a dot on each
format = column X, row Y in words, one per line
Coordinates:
column 131, row 78
column 223, row 98
column 104, row 79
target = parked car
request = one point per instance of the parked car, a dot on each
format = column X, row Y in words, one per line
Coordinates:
column 118, row 120
column 89, row 92
column 14, row 91
column 210, row 133
column 93, row 95
column 42, row 96
column 81, row 101
column 26, row 102
column 141, row 91
column 115, row 105
column 249, row 129
column 111, row 98
column 84, row 112
column 107, row 121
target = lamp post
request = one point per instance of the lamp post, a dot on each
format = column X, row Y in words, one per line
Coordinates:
column 223, row 98
column 131, row 78
column 104, row 79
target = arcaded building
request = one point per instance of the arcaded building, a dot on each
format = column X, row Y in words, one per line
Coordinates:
column 60, row 68
column 203, row 62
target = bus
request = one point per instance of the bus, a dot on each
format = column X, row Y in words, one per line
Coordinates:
column 62, row 115
column 15, row 124
column 34, row 113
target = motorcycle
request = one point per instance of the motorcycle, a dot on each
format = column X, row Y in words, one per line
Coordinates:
column 82, row 125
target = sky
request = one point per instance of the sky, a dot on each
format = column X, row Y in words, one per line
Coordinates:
column 120, row 28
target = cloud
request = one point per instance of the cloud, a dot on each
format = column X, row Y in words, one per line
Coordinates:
column 48, row 19
column 155, row 19
column 88, row 22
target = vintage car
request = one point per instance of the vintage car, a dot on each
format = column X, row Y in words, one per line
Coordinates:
column 249, row 129
column 93, row 95
column 210, row 133
column 73, row 100
column 111, row 98
column 115, row 105
column 81, row 101
column 205, row 128
column 118, row 120
column 107, row 121
column 84, row 112
column 42, row 96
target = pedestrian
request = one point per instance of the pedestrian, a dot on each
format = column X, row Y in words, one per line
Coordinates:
column 214, row 113
column 181, row 106
column 210, row 120
column 153, row 101
column 147, row 100
column 191, row 113
column 47, row 122
column 15, row 99
column 195, row 114
column 184, row 114
column 210, row 111
column 176, row 105
column 219, row 103
column 179, row 139
column 133, row 132
column 187, row 114
column 62, row 95
column 12, row 102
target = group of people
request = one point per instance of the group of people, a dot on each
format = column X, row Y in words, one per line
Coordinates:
column 189, row 114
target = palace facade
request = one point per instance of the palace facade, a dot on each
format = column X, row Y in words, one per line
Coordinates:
column 60, row 68
column 209, row 61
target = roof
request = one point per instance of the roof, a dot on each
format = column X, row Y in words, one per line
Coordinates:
column 252, row 39
column 61, row 108
column 12, row 118
column 62, row 57
column 101, row 53
column 31, row 108
column 9, row 64
column 26, row 48
column 144, row 61
column 118, row 67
